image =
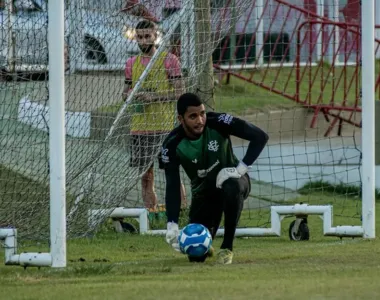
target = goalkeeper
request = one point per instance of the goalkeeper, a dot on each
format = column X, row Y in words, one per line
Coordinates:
column 219, row 181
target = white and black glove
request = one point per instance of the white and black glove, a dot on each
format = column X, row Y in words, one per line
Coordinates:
column 226, row 173
column 172, row 233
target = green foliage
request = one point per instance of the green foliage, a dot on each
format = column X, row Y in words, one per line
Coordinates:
column 337, row 189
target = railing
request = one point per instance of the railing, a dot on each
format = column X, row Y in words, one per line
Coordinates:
column 318, row 65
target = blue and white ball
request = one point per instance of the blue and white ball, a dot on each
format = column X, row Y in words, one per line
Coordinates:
column 194, row 240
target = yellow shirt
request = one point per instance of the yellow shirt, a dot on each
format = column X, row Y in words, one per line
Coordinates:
column 158, row 116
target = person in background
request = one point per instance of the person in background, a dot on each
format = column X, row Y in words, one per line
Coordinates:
column 153, row 107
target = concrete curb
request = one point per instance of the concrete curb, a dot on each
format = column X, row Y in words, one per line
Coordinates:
column 37, row 115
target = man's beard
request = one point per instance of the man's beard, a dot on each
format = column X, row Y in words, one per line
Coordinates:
column 191, row 131
column 146, row 48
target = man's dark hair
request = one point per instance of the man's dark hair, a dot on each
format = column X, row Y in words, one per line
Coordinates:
column 145, row 24
column 186, row 100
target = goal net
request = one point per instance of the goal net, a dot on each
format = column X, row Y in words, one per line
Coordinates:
column 290, row 67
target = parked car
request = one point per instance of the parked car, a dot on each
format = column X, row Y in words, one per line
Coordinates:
column 95, row 36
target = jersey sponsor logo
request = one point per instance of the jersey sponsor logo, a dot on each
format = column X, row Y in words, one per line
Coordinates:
column 203, row 173
column 164, row 155
column 213, row 146
column 225, row 118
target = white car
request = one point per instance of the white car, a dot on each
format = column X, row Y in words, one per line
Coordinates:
column 95, row 36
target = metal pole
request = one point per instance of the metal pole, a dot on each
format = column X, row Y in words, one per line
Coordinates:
column 75, row 38
column 320, row 12
column 368, row 117
column 57, row 134
column 259, row 32
column 377, row 22
column 233, row 33
column 9, row 14
column 203, row 53
column 334, row 41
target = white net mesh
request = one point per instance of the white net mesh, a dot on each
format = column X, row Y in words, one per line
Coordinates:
column 287, row 66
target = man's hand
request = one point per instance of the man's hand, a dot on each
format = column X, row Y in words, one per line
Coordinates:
column 227, row 173
column 145, row 97
column 172, row 233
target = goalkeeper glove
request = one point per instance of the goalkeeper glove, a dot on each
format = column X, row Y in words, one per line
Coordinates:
column 227, row 173
column 172, row 233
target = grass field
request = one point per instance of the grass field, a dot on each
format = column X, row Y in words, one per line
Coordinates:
column 123, row 266
column 117, row 266
column 239, row 96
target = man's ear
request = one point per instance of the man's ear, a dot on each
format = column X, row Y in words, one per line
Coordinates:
column 180, row 119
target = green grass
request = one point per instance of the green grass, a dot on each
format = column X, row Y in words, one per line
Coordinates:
column 341, row 189
column 146, row 268
column 122, row 266
column 239, row 96
column 13, row 195
column 15, row 191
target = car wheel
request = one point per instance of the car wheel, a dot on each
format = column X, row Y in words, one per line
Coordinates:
column 94, row 52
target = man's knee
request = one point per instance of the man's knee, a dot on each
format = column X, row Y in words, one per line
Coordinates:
column 235, row 188
column 231, row 188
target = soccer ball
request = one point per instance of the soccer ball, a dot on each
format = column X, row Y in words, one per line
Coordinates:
column 194, row 240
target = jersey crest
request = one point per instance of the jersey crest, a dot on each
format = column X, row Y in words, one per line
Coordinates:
column 213, row 146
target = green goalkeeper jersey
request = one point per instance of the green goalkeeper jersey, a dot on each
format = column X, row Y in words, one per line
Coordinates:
column 203, row 158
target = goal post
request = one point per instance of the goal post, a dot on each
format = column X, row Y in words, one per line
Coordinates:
column 56, row 258
column 57, row 145
column 368, row 125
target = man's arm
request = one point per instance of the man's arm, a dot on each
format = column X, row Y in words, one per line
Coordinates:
column 174, row 71
column 230, row 125
column 173, row 193
column 127, row 79
column 168, row 161
column 257, row 139
column 178, row 86
column 127, row 87
column 173, row 205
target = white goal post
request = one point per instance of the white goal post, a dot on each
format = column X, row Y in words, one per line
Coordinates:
column 277, row 214
column 56, row 258
column 368, row 125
